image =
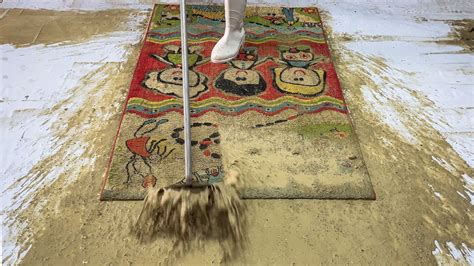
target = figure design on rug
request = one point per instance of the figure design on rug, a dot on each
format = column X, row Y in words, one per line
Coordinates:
column 289, row 16
column 169, row 81
column 212, row 12
column 241, row 78
column 308, row 17
column 209, row 175
column 168, row 16
column 205, row 144
column 297, row 76
column 275, row 16
column 148, row 148
column 293, row 17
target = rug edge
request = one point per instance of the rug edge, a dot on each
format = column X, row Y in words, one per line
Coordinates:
column 124, row 110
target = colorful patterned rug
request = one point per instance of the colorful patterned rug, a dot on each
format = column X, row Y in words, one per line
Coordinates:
column 276, row 113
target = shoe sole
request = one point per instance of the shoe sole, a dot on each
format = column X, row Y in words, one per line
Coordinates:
column 225, row 60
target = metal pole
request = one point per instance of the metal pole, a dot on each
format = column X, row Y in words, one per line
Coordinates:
column 186, row 116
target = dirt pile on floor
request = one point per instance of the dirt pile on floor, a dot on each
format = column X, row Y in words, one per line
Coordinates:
column 193, row 215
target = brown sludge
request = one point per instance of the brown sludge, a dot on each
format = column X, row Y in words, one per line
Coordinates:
column 193, row 215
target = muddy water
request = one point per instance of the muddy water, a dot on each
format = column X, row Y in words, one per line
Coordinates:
column 195, row 216
column 68, row 225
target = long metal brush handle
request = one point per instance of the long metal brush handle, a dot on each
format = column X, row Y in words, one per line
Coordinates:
column 186, row 116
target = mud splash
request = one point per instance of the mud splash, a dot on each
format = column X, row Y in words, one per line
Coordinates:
column 462, row 34
column 194, row 215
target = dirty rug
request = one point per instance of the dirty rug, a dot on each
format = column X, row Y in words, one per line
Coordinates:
column 276, row 113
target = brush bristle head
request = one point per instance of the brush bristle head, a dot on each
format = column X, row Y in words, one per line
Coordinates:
column 191, row 212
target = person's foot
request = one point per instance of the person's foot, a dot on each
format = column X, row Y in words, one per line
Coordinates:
column 227, row 48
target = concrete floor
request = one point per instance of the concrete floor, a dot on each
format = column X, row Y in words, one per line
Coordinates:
column 407, row 72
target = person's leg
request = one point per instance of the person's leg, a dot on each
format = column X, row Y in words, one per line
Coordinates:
column 228, row 46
